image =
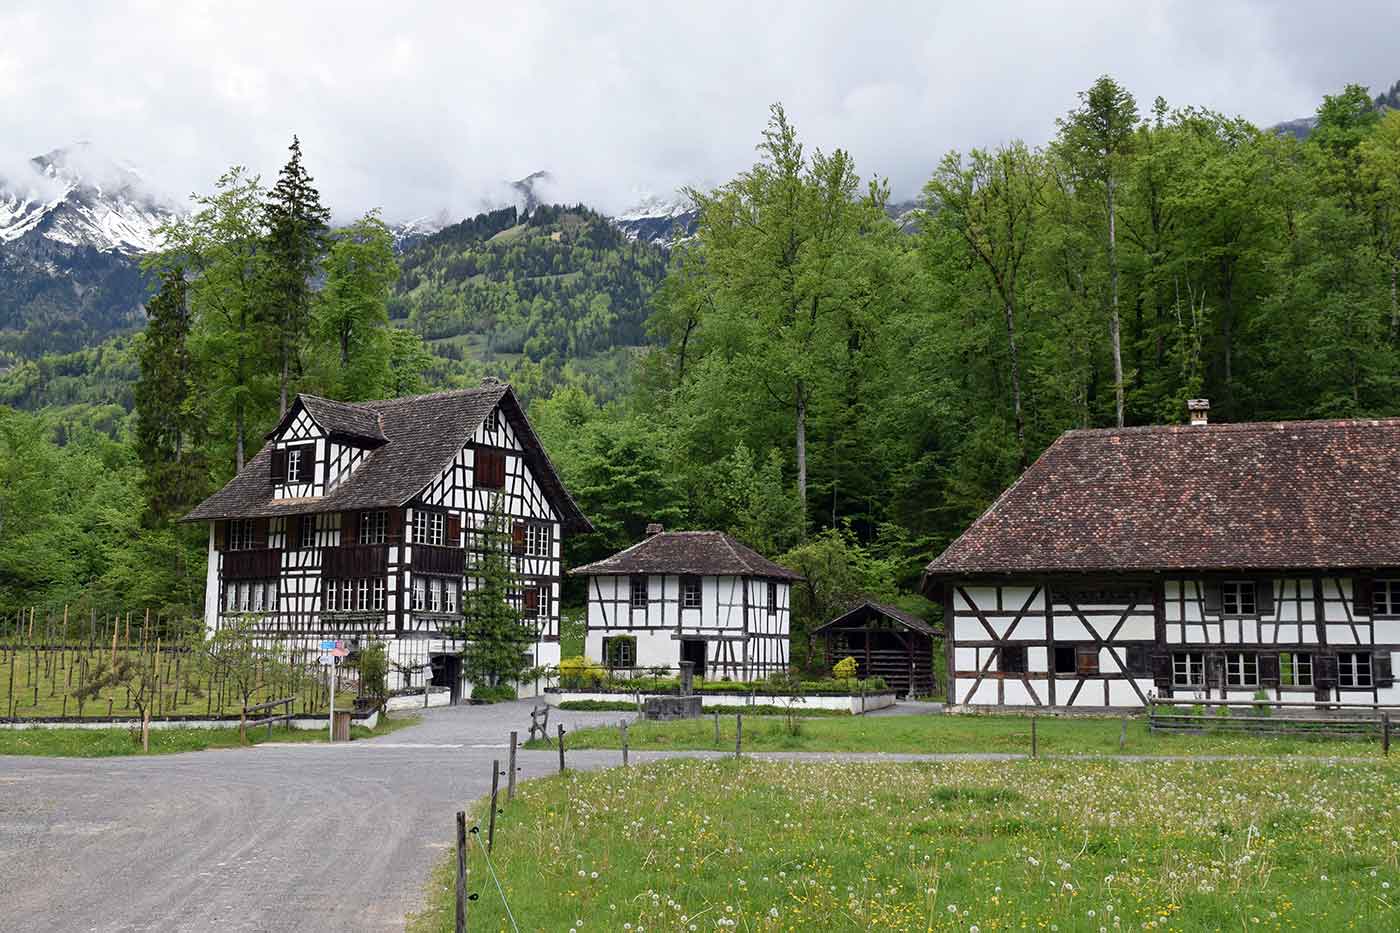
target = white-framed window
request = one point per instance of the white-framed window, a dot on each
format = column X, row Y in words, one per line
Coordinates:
column 536, row 540
column 1241, row 669
column 362, row 593
column 245, row 596
column 271, row 601
column 429, row 527
column 638, row 586
column 257, row 597
column 1354, row 669
column 690, row 593
column 449, row 589
column 772, row 597
column 1385, row 598
column 329, row 597
column 1188, row 669
column 435, row 594
column 371, row 527
column 1237, row 598
column 240, row 534
column 231, row 597
column 620, row 651
column 294, row 464
column 420, row 594
column 534, row 602
column 377, row 593
column 306, row 531
column 1295, row 669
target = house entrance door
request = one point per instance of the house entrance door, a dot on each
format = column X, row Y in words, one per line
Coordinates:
column 447, row 672
column 693, row 650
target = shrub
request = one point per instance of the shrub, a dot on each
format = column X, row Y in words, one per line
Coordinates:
column 845, row 669
column 497, row 694
column 1261, row 706
column 580, row 673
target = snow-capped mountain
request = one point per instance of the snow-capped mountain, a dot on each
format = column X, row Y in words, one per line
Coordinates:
column 659, row 220
column 77, row 197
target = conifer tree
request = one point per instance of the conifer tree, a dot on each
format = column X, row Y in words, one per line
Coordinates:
column 495, row 639
column 297, row 228
column 168, row 420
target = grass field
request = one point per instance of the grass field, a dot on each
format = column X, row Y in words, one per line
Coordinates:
column 107, row 743
column 974, row 846
column 953, row 733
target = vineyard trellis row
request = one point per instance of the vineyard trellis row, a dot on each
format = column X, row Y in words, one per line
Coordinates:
column 57, row 666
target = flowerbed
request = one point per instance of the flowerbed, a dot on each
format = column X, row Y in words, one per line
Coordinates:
column 1082, row 845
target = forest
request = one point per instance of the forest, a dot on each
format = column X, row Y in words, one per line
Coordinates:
column 841, row 394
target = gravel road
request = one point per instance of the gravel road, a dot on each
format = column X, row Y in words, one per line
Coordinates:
column 292, row 837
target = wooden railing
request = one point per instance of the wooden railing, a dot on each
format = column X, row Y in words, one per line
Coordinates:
column 259, row 564
column 1273, row 717
column 355, row 560
column 430, row 558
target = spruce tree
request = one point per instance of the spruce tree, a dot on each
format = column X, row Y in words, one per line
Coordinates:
column 494, row 637
column 168, row 420
column 297, row 229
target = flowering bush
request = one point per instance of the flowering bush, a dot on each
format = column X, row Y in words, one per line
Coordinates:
column 580, row 673
column 845, row 669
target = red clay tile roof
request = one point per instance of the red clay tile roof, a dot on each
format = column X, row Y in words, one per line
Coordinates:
column 702, row 553
column 1280, row 495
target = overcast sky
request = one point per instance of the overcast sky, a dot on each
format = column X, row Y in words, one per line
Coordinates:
column 418, row 106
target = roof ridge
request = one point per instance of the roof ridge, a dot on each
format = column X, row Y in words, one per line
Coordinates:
column 378, row 404
column 1236, row 427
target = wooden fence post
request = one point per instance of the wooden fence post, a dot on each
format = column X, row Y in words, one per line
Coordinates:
column 510, row 779
column 461, row 925
column 1033, row 741
column 1123, row 735
column 495, row 787
column 716, row 730
column 1385, row 733
column 561, row 748
column 623, row 726
column 738, row 733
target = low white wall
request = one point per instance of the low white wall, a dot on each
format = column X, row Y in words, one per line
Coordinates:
column 439, row 697
column 853, row 704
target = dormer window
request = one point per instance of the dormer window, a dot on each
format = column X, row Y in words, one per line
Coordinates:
column 1238, row 598
column 294, row 466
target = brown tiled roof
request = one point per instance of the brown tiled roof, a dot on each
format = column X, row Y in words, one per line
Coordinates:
column 340, row 420
column 1280, row 495
column 422, row 435
column 701, row 553
column 893, row 613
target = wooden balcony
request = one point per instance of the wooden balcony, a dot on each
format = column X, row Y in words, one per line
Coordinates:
column 257, row 564
column 447, row 561
column 355, row 560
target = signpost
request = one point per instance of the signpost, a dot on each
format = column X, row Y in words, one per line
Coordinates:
column 331, row 651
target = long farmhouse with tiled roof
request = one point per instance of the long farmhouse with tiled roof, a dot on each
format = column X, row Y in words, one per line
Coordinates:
column 354, row 521
column 1197, row 561
column 697, row 596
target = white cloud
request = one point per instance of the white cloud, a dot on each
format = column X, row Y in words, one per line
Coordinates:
column 417, row 106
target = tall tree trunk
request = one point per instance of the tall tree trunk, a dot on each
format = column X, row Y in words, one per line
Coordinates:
column 1394, row 307
column 802, row 453
column 238, row 435
column 282, row 397
column 1113, row 325
column 1016, row 383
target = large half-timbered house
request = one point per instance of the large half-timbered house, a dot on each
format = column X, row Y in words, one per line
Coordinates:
column 697, row 596
column 358, row 521
column 1198, row 561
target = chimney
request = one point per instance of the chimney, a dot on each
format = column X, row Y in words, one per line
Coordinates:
column 1200, row 411
column 654, row 529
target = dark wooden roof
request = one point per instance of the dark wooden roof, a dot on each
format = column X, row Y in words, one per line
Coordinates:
column 893, row 613
column 422, row 434
column 1277, row 495
column 344, row 421
column 698, row 553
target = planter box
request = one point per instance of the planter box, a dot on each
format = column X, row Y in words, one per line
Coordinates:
column 412, row 701
column 856, row 705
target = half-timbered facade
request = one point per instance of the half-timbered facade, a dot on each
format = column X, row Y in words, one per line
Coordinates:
column 359, row 522
column 697, row 596
column 1200, row 561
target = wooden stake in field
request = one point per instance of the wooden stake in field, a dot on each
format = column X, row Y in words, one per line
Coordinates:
column 738, row 734
column 461, row 918
column 1123, row 735
column 623, row 726
column 510, row 780
column 495, row 787
column 116, row 627
column 561, row 748
column 1033, row 745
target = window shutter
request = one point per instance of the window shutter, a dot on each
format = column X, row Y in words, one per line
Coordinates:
column 260, row 533
column 349, row 528
column 1211, row 591
column 292, row 540
column 1325, row 671
column 393, row 525
column 454, row 530
column 1264, row 596
column 220, row 535
column 517, row 538
column 1381, row 671
column 532, row 599
column 279, row 466
column 1268, row 670
column 1361, row 595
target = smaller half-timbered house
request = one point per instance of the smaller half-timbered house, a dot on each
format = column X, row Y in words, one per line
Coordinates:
column 1196, row 561
column 697, row 596
column 886, row 642
column 359, row 522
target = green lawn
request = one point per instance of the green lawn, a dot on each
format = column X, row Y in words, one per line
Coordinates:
column 953, row 733
column 972, row 846
column 106, row 743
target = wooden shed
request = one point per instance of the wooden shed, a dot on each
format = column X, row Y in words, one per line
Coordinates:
column 886, row 642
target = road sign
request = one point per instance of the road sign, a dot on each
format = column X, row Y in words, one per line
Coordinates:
column 339, row 652
column 327, row 658
column 329, row 644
